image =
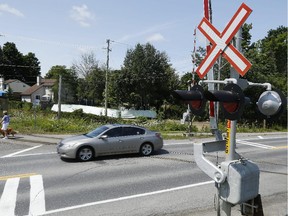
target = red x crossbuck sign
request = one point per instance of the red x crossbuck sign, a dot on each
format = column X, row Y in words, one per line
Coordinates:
column 221, row 43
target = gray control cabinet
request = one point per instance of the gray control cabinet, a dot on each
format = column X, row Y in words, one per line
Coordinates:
column 242, row 182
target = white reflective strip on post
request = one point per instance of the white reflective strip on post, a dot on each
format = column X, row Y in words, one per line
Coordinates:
column 239, row 62
column 234, row 24
column 209, row 60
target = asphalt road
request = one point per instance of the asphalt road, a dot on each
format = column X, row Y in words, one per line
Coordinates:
column 167, row 183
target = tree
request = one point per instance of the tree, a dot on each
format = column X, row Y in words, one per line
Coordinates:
column 117, row 88
column 146, row 78
column 269, row 65
column 96, row 85
column 86, row 65
column 69, row 83
column 15, row 65
column 269, row 59
column 31, row 69
column 246, row 37
column 91, row 84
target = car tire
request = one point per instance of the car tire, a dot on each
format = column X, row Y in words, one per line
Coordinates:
column 85, row 154
column 146, row 149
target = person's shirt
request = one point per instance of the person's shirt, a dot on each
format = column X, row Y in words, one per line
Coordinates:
column 6, row 119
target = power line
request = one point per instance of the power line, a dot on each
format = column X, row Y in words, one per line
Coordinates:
column 20, row 66
column 74, row 45
column 121, row 43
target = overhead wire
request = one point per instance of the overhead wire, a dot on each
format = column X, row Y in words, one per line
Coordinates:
column 74, row 45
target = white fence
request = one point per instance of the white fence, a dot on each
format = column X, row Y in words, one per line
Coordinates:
column 124, row 113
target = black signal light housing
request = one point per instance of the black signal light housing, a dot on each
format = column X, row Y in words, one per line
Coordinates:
column 194, row 98
column 231, row 98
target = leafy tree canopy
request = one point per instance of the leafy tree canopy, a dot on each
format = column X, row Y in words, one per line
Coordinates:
column 15, row 65
column 146, row 78
column 69, row 81
column 85, row 65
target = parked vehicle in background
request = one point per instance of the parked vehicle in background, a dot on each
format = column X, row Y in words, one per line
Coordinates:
column 110, row 139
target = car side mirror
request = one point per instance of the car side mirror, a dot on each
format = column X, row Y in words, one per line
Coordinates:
column 103, row 137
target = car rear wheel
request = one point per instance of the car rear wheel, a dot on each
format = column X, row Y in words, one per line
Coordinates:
column 146, row 149
column 85, row 154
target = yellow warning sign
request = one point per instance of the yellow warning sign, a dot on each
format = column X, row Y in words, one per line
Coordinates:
column 227, row 148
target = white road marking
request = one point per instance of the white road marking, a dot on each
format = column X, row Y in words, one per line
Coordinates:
column 37, row 196
column 8, row 198
column 35, row 154
column 258, row 145
column 184, row 143
column 127, row 197
column 19, row 152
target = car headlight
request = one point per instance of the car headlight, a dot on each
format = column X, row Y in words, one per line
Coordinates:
column 68, row 145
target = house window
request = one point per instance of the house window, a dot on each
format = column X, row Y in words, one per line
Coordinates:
column 37, row 97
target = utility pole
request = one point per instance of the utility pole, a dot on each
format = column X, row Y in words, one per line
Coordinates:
column 59, row 97
column 106, row 79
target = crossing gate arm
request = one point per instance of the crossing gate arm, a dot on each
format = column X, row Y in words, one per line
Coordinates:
column 204, row 164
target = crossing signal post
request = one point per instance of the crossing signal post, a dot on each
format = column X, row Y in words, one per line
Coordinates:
column 236, row 178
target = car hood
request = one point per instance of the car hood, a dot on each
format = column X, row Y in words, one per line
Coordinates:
column 75, row 139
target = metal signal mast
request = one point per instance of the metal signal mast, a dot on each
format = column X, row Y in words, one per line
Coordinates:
column 236, row 178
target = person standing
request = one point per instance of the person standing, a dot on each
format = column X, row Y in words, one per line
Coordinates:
column 5, row 123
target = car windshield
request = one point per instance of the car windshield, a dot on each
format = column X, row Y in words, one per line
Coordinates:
column 97, row 131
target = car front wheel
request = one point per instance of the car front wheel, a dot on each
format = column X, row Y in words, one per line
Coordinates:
column 146, row 149
column 85, row 154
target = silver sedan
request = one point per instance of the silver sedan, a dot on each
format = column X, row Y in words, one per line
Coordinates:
column 110, row 139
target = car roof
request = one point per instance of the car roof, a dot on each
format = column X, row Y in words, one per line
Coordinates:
column 124, row 125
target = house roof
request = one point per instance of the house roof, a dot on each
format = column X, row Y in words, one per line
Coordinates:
column 16, row 85
column 48, row 82
column 14, row 80
column 44, row 83
column 11, row 81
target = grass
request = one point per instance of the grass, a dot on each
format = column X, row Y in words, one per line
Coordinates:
column 46, row 122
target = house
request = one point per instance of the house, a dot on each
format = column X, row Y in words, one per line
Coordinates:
column 15, row 86
column 41, row 91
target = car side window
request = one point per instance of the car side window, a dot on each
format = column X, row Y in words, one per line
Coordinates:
column 131, row 131
column 114, row 132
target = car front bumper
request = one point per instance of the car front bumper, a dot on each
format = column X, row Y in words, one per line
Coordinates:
column 66, row 152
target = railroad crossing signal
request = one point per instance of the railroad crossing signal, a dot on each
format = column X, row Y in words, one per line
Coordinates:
column 221, row 43
column 272, row 103
column 194, row 98
column 231, row 98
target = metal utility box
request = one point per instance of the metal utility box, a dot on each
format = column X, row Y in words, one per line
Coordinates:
column 242, row 183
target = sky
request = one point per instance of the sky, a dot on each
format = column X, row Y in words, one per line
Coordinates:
column 59, row 32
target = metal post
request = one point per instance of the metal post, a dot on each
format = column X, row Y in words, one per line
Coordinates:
column 59, row 97
column 234, row 74
column 210, row 76
column 106, row 77
column 189, row 111
column 231, row 140
column 225, row 209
